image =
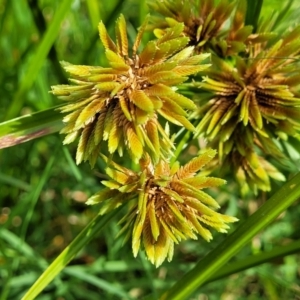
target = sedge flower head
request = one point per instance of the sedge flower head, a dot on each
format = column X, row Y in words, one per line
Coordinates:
column 120, row 104
column 210, row 25
column 254, row 105
column 167, row 204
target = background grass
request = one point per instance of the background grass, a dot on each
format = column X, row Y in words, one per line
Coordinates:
column 42, row 191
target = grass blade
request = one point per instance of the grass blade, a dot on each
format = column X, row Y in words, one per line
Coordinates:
column 32, row 197
column 253, row 12
column 82, row 239
column 111, row 288
column 93, row 7
column 14, row 182
column 38, row 59
column 29, row 127
column 22, row 247
column 283, row 13
column 72, row 165
column 255, row 260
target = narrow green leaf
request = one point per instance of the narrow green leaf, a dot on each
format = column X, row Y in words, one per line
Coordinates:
column 283, row 13
column 6, row 179
column 22, row 247
column 110, row 287
column 82, row 239
column 94, row 8
column 73, row 167
column 38, row 59
column 181, row 146
column 255, row 260
column 29, row 127
column 253, row 12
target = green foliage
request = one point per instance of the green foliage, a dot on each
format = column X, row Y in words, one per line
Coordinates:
column 151, row 105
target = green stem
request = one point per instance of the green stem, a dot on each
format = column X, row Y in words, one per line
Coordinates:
column 82, row 239
column 208, row 266
column 180, row 146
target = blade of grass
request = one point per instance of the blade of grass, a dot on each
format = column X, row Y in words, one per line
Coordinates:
column 6, row 273
column 111, row 288
column 73, row 167
column 283, row 13
column 205, row 269
column 38, row 59
column 269, row 287
column 253, row 12
column 25, row 250
column 255, row 260
column 15, row 182
column 35, row 194
column 29, row 127
column 93, row 7
column 41, row 26
column 143, row 11
column 82, row 239
column 149, row 274
column 246, row 263
column 109, row 20
column 31, row 201
column 180, row 146
column 101, row 265
column 23, row 280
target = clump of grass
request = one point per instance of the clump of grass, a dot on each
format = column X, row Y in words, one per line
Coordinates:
column 156, row 109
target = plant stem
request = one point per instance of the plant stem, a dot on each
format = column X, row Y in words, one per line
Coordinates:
column 180, row 146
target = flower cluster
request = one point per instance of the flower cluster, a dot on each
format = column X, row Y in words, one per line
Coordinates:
column 249, row 98
column 210, row 25
column 167, row 204
column 120, row 104
column 248, row 102
column 255, row 103
column 121, row 107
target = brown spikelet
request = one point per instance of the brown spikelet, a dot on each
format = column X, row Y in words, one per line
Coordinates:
column 203, row 22
column 196, row 164
column 253, row 109
column 164, row 210
column 120, row 100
